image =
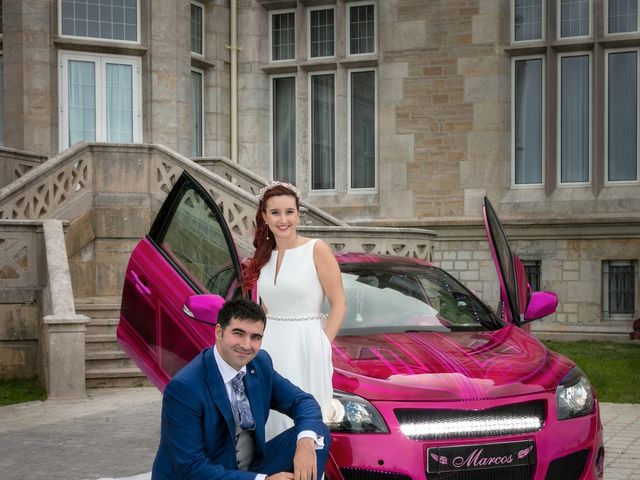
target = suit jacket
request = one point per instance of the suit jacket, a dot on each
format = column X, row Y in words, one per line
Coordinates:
column 197, row 433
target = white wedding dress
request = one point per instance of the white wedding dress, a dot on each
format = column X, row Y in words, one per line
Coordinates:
column 294, row 335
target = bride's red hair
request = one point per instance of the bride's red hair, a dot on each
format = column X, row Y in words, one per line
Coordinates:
column 263, row 240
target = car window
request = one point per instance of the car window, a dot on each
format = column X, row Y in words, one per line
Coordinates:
column 425, row 298
column 195, row 242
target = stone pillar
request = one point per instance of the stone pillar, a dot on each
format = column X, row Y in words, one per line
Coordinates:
column 63, row 346
column 29, row 76
column 170, row 71
column 64, row 355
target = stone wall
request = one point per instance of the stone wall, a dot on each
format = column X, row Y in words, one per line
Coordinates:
column 571, row 260
column 21, row 258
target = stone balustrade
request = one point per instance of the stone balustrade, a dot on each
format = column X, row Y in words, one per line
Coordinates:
column 15, row 163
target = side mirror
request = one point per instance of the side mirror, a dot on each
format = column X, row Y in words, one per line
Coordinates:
column 204, row 308
column 540, row 305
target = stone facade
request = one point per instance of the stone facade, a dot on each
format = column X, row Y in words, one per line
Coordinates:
column 443, row 140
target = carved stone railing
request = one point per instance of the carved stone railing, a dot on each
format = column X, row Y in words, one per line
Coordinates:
column 404, row 242
column 103, row 175
column 15, row 163
column 252, row 183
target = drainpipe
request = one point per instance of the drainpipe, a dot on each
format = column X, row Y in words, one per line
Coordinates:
column 234, row 81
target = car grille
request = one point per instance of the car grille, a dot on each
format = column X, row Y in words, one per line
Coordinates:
column 569, row 467
column 425, row 424
column 524, row 472
column 350, row 473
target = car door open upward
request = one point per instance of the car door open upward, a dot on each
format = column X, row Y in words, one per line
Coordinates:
column 188, row 251
column 511, row 274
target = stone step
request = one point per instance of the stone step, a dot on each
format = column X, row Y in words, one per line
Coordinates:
column 107, row 360
column 102, row 326
column 116, row 377
column 98, row 307
column 101, row 342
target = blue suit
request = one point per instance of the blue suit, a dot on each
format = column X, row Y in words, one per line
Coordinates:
column 197, row 435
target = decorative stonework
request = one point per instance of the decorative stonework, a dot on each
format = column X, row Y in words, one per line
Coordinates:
column 57, row 189
column 17, row 257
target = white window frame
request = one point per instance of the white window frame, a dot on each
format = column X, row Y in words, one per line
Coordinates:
column 559, row 22
column 375, row 27
column 327, row 191
column 376, row 133
column 203, row 9
column 512, row 25
column 526, row 186
column 103, row 40
column 312, row 9
column 295, row 35
column 616, row 34
column 271, row 126
column 559, row 182
column 608, row 182
column 202, row 73
column 101, row 94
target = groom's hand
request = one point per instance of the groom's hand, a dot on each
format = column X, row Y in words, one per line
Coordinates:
column 304, row 461
column 280, row 476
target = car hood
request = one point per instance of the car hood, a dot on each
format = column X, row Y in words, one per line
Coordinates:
column 434, row 366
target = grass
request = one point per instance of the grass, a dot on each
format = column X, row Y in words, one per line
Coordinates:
column 20, row 390
column 613, row 368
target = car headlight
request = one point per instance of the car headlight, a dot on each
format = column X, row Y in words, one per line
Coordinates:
column 352, row 414
column 574, row 396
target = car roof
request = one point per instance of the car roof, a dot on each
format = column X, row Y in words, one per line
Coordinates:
column 364, row 258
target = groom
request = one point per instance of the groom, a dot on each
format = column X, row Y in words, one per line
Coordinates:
column 215, row 408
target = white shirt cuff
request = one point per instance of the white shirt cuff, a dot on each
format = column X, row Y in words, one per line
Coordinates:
column 261, row 476
column 319, row 440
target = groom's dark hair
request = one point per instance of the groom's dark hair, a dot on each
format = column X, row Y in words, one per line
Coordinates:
column 243, row 309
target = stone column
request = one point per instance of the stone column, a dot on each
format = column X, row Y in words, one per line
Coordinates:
column 170, row 71
column 29, row 76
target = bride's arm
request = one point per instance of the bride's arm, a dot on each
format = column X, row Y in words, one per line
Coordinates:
column 331, row 281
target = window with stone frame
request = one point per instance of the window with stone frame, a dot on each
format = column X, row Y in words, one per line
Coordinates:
column 197, row 28
column 574, row 18
column 322, row 109
column 197, row 113
column 363, row 128
column 100, row 99
column 112, row 20
column 361, row 27
column 527, row 20
column 321, row 32
column 622, row 162
column 621, row 16
column 574, row 105
column 282, row 35
column 533, row 272
column 528, row 118
column 619, row 281
column 283, row 127
column 328, row 171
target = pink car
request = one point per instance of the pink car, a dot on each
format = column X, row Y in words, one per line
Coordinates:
column 429, row 382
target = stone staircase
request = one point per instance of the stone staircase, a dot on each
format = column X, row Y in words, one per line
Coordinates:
column 106, row 365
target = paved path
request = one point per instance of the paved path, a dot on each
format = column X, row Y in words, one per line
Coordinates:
column 621, row 423
column 114, row 435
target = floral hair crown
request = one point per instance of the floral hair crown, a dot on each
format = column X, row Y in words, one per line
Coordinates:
column 276, row 183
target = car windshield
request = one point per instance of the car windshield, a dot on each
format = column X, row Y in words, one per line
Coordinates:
column 399, row 298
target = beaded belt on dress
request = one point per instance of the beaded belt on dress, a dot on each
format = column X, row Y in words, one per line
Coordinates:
column 298, row 318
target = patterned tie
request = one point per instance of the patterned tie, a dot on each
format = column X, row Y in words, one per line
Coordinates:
column 243, row 409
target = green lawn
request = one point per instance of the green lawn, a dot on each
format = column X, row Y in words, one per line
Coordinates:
column 18, row 390
column 613, row 368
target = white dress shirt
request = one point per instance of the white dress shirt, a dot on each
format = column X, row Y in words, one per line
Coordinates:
column 228, row 373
